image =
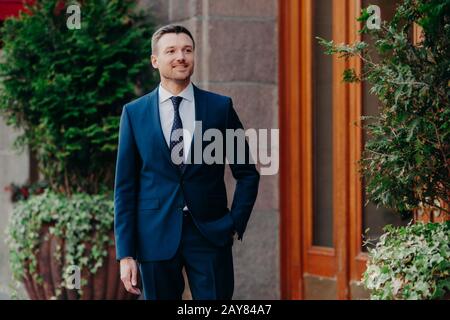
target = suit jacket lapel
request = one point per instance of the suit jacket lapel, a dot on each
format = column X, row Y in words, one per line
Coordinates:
column 157, row 128
column 200, row 115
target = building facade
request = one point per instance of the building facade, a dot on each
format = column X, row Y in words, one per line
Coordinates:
column 305, row 237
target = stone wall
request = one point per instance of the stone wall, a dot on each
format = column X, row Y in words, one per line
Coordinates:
column 237, row 55
column 14, row 167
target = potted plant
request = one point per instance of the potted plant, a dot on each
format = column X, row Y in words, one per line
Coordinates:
column 411, row 262
column 406, row 161
column 64, row 89
column 52, row 236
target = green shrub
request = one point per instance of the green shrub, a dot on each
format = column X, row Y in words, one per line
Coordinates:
column 411, row 262
column 406, row 160
column 65, row 88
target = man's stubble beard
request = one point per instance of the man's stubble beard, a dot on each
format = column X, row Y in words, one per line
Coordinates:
column 187, row 78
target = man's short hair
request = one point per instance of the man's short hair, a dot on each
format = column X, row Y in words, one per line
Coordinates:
column 171, row 28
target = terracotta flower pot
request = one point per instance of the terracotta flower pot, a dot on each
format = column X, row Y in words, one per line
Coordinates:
column 105, row 284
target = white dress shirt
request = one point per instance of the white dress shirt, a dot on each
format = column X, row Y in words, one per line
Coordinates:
column 187, row 115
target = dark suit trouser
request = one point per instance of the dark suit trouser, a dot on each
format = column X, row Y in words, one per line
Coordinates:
column 209, row 269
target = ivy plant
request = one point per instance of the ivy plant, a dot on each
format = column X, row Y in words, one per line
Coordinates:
column 81, row 220
column 411, row 262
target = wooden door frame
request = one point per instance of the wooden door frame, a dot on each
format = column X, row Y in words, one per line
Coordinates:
column 292, row 20
column 358, row 258
column 298, row 256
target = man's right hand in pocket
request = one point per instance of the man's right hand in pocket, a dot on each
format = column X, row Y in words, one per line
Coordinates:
column 129, row 275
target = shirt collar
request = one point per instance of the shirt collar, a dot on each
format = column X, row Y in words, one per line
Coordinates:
column 187, row 93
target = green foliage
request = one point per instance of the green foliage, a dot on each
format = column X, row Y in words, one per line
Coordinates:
column 406, row 161
column 411, row 262
column 81, row 221
column 65, row 88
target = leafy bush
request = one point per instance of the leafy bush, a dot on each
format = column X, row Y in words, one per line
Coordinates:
column 411, row 262
column 406, row 160
column 65, row 88
column 80, row 220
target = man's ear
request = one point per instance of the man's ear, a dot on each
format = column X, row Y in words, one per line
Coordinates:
column 154, row 61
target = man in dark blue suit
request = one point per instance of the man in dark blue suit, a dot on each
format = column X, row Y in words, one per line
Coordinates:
column 170, row 209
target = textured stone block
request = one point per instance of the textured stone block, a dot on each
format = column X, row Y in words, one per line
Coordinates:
column 320, row 288
column 157, row 8
column 7, row 137
column 184, row 9
column 243, row 51
column 256, row 258
column 256, row 104
column 243, row 8
column 358, row 292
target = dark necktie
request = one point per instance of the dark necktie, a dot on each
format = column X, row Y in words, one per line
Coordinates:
column 177, row 124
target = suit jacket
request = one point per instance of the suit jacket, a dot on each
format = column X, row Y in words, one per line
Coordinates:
column 150, row 191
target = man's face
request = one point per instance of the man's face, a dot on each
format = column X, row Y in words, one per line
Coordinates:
column 174, row 56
